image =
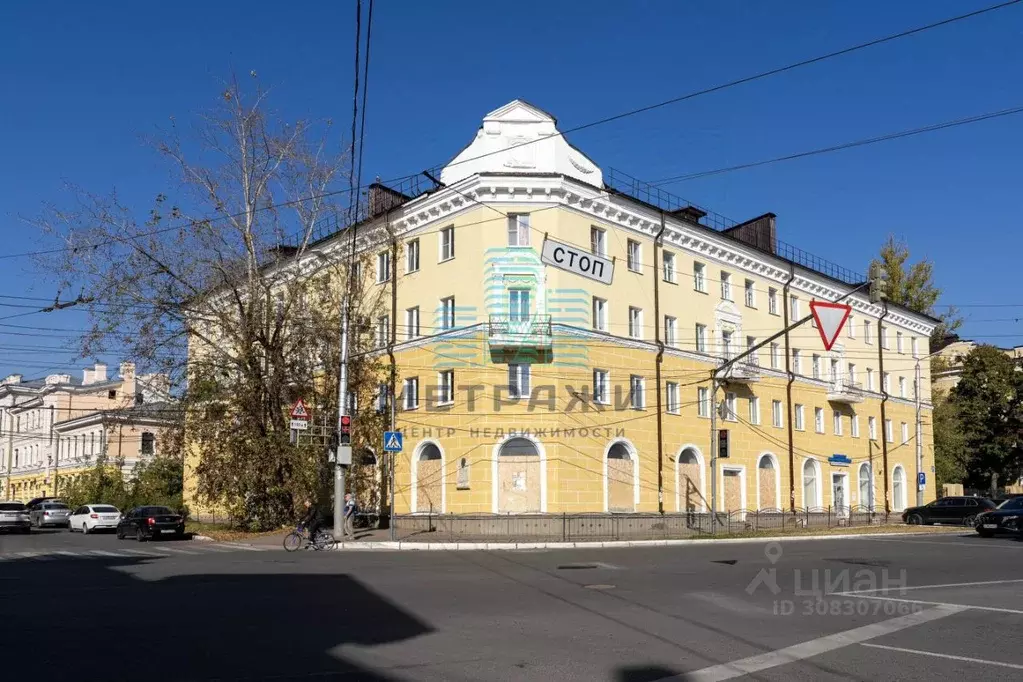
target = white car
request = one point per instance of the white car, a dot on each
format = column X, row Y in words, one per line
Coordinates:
column 91, row 517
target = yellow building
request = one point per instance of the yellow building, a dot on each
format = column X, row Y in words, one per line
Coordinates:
column 528, row 388
column 58, row 426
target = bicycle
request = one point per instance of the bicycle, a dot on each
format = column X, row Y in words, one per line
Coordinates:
column 294, row 540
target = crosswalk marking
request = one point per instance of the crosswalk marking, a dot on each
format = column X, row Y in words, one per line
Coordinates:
column 66, row 553
column 176, row 550
column 162, row 551
column 142, row 552
column 101, row 552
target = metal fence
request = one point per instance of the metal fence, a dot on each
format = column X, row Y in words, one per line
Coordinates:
column 429, row 527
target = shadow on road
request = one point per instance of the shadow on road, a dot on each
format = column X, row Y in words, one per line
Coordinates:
column 648, row 673
column 92, row 620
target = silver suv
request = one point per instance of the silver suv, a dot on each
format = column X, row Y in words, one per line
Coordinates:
column 14, row 517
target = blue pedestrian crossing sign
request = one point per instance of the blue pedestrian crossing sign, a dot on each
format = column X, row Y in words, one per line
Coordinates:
column 392, row 441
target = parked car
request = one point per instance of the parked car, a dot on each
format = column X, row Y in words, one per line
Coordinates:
column 1004, row 519
column 49, row 514
column 14, row 517
column 93, row 517
column 150, row 523
column 36, row 501
column 961, row 511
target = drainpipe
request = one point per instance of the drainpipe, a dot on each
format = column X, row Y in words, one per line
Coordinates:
column 788, row 388
column 657, row 371
column 884, row 400
column 10, row 448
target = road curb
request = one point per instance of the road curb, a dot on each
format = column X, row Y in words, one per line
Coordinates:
column 374, row 545
column 202, row 538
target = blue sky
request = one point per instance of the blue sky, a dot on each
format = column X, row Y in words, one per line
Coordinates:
column 82, row 82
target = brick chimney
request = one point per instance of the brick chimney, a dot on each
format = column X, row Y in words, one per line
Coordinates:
column 760, row 232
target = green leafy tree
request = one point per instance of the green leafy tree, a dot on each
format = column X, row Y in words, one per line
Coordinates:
column 987, row 406
column 951, row 454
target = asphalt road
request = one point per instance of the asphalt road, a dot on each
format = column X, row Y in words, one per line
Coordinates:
column 94, row 608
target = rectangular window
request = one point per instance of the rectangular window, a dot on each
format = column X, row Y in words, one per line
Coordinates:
column 731, row 414
column 797, row 361
column 637, row 399
column 850, row 327
column 446, row 387
column 776, row 416
column 518, row 305
column 775, row 356
column 726, row 286
column 726, row 345
column 866, row 333
column 851, row 372
column 818, row 419
column 518, row 229
column 794, row 308
column 888, row 435
column 599, row 314
column 754, row 357
column 905, row 432
column 412, row 256
column 854, row 426
column 772, row 301
column 902, row 387
column 383, row 330
column 447, row 318
column 754, row 410
column 635, row 255
column 913, row 345
column 886, row 384
column 411, row 393
column 600, row 389
column 870, row 379
column 447, row 243
column 815, row 366
column 898, row 342
column 703, row 401
column 871, row 428
column 598, row 242
column 838, row 422
column 883, row 331
column 635, row 322
column 798, row 417
column 751, row 294
column 836, row 373
column 670, row 326
column 518, row 380
column 700, row 277
column 668, row 266
column 383, row 266
column 671, row 390
column 412, row 323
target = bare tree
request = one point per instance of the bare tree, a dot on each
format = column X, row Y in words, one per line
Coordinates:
column 226, row 287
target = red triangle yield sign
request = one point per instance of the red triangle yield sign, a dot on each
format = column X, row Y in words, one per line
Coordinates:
column 299, row 410
column 830, row 318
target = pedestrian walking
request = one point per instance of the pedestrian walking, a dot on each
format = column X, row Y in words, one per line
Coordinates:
column 350, row 509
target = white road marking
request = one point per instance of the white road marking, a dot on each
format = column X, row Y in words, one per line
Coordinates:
column 986, row 544
column 29, row 555
column 100, row 552
column 1014, row 666
column 66, row 553
column 927, row 587
column 996, row 609
column 142, row 552
column 816, row 647
column 176, row 551
column 234, row 545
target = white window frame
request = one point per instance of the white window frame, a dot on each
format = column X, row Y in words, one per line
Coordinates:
column 446, row 387
column 668, row 271
column 446, row 244
column 699, row 277
column 793, row 308
column 850, row 327
column 637, row 392
column 886, row 382
column 634, row 255
column 904, row 427
column 601, row 383
column 671, row 393
column 412, row 256
column 598, row 241
column 797, row 362
column 889, row 431
column 701, row 338
column 872, row 428
column 703, row 402
column 750, row 288
column 726, row 286
column 902, row 387
column 635, row 322
column 799, row 418
column 772, row 301
column 383, row 330
column 815, row 366
column 836, row 419
column 775, row 355
column 818, row 419
column 898, row 342
column 383, row 267
column 410, row 394
column 854, row 426
column 754, row 357
column 777, row 414
column 519, row 223
column 670, row 330
column 599, row 313
column 519, row 385
column 867, row 338
column 412, row 323
column 870, row 379
column 731, row 410
column 447, row 313
column 914, row 346
column 884, row 335
column 754, row 410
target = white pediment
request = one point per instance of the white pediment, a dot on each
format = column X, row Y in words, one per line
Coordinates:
column 521, row 138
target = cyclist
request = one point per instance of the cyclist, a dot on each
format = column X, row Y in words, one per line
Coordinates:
column 312, row 521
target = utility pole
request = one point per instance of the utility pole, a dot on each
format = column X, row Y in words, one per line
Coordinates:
column 342, row 408
column 879, row 294
column 392, row 459
column 713, row 451
column 919, row 439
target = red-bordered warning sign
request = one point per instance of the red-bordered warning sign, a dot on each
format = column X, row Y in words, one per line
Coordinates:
column 299, row 410
column 830, row 318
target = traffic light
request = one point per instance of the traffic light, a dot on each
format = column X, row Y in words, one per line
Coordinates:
column 878, row 279
column 346, row 430
column 723, row 443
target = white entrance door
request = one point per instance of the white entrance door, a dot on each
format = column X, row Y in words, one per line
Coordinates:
column 840, row 493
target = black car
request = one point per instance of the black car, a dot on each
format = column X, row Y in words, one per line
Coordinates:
column 150, row 523
column 1004, row 519
column 961, row 511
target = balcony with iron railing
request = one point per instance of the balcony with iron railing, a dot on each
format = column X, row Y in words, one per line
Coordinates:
column 517, row 331
column 846, row 391
column 745, row 372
